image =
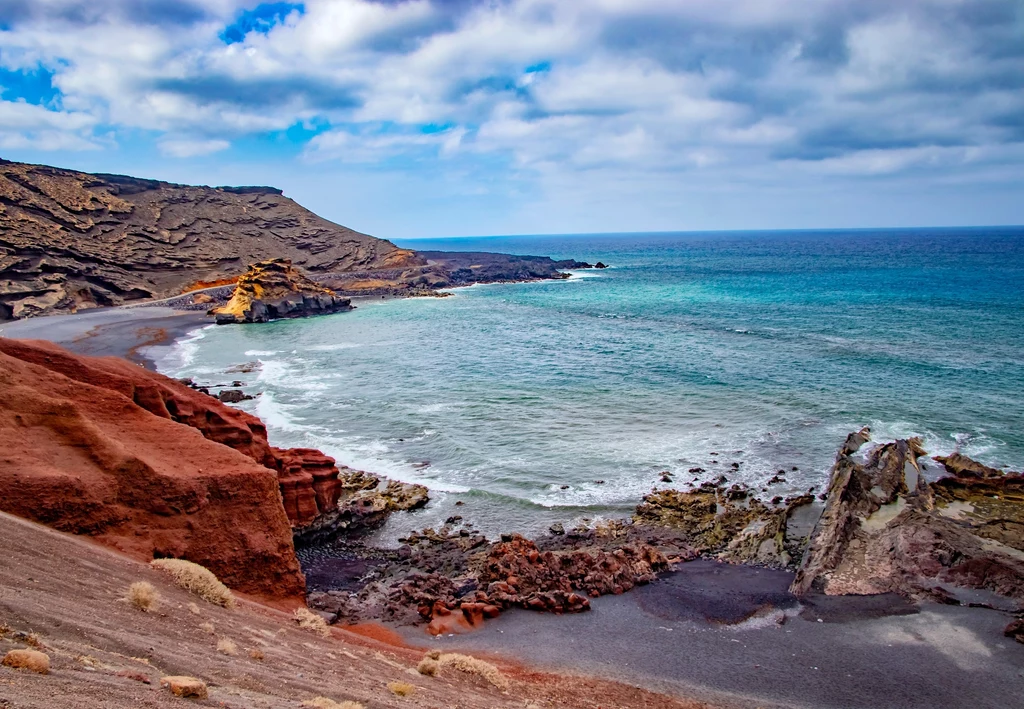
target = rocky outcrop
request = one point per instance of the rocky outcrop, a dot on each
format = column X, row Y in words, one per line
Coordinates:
column 71, row 240
column 886, row 529
column 275, row 289
column 727, row 523
column 143, row 464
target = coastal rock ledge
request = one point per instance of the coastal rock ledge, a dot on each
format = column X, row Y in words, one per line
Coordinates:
column 275, row 289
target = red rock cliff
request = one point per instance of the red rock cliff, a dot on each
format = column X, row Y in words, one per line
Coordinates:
column 100, row 446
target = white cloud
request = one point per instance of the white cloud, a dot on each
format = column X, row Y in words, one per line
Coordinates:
column 188, row 148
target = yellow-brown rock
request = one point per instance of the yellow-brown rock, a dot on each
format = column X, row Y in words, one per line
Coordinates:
column 275, row 289
column 185, row 687
column 31, row 660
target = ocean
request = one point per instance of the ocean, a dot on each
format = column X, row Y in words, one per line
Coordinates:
column 565, row 401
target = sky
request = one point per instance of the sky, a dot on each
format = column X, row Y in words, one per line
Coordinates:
column 428, row 118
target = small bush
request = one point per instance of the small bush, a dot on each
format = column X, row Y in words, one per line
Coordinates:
column 402, row 689
column 308, row 620
column 325, row 703
column 196, row 579
column 473, row 666
column 143, row 596
column 428, row 667
column 207, row 628
column 434, row 655
column 256, row 654
column 226, row 646
column 194, row 609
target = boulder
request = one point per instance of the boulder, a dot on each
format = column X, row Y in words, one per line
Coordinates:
column 185, row 687
column 275, row 289
column 31, row 660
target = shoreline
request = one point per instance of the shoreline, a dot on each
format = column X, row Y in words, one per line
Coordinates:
column 660, row 636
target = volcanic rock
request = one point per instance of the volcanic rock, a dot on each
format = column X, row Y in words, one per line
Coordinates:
column 275, row 289
column 71, row 240
column 886, row 529
column 144, row 464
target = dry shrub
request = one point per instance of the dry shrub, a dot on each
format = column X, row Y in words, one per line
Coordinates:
column 325, row 703
column 434, row 655
column 194, row 609
column 33, row 640
column 473, row 666
column 143, row 596
column 196, row 579
column 401, row 689
column 428, row 667
column 207, row 628
column 256, row 654
column 308, row 620
column 227, row 646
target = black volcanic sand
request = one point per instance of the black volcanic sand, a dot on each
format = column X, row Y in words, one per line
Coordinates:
column 734, row 636
column 132, row 333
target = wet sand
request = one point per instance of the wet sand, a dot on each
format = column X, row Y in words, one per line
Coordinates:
column 134, row 333
column 864, row 653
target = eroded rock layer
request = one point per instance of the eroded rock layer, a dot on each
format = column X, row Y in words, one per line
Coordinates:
column 71, row 240
column 275, row 289
column 102, row 447
column 887, row 529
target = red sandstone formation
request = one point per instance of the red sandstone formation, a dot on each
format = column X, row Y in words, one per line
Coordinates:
column 100, row 446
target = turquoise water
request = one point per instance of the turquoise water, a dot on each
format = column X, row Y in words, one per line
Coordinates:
column 758, row 348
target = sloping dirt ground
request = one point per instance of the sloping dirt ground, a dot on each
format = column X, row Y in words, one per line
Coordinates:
column 66, row 596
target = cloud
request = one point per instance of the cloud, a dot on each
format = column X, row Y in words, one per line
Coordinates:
column 188, row 148
column 739, row 91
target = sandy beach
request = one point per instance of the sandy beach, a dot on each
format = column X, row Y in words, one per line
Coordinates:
column 129, row 332
column 863, row 653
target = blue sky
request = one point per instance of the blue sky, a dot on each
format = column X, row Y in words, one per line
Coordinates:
column 422, row 118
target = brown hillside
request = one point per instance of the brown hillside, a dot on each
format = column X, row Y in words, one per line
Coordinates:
column 71, row 240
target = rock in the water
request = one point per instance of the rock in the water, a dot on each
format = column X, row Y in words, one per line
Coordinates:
column 886, row 529
column 233, row 396
column 275, row 289
column 31, row 660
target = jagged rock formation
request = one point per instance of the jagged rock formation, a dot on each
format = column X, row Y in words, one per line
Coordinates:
column 144, row 464
column 275, row 289
column 726, row 522
column 71, row 240
column 886, row 529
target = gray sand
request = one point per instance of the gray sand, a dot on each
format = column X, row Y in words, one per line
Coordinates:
column 136, row 333
column 657, row 637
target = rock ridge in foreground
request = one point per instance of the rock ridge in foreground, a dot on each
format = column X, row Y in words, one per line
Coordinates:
column 140, row 462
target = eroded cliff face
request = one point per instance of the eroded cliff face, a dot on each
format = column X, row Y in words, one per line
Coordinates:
column 148, row 466
column 72, row 240
column 885, row 528
column 275, row 289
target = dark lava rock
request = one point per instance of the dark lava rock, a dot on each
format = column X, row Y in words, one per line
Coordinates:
column 233, row 396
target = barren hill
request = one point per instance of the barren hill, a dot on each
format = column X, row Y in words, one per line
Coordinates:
column 72, row 240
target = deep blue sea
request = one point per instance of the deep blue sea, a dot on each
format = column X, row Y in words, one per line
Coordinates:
column 691, row 350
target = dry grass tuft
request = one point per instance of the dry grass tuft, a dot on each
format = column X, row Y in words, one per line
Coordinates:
column 308, row 620
column 402, row 689
column 473, row 666
column 144, row 596
column 434, row 654
column 256, row 654
column 194, row 609
column 227, row 646
column 325, row 703
column 428, row 667
column 196, row 579
column 33, row 640
column 207, row 628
